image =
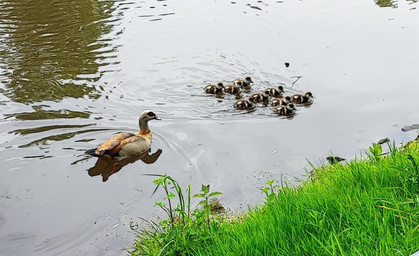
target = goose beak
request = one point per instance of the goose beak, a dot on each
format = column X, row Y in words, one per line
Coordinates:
column 157, row 118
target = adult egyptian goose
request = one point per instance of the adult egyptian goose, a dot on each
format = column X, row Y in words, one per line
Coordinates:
column 307, row 98
column 214, row 88
column 125, row 144
column 288, row 110
column 244, row 104
column 275, row 92
column 283, row 101
column 244, row 83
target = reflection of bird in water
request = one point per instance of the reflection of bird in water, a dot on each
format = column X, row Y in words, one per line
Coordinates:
column 106, row 165
column 125, row 144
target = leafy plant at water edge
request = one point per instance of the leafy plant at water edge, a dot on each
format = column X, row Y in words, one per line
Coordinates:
column 183, row 213
column 205, row 202
column 175, row 235
column 375, row 152
column 270, row 191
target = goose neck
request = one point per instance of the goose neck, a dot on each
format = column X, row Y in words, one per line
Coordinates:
column 144, row 127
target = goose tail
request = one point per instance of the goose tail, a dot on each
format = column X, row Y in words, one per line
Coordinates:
column 91, row 152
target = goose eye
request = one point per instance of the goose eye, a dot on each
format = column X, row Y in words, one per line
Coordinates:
column 151, row 114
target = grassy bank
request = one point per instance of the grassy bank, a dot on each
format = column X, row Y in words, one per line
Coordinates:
column 364, row 207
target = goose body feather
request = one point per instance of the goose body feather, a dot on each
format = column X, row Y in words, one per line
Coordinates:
column 275, row 92
column 244, row 104
column 232, row 89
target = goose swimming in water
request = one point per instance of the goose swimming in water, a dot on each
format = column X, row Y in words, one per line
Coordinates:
column 244, row 104
column 233, row 89
column 275, row 92
column 244, row 83
column 275, row 102
column 214, row 88
column 125, row 144
column 307, row 98
column 288, row 110
column 259, row 97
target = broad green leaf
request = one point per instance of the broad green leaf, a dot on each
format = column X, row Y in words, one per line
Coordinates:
column 215, row 194
column 205, row 189
column 170, row 195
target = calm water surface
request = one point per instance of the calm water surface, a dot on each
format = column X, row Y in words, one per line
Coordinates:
column 74, row 73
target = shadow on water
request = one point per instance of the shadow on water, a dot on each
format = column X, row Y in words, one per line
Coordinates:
column 51, row 50
column 106, row 166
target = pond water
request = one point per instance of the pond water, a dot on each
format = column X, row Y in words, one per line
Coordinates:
column 74, row 73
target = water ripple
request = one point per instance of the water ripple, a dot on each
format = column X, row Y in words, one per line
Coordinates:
column 42, row 46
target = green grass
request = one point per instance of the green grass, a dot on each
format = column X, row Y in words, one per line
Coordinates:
column 364, row 207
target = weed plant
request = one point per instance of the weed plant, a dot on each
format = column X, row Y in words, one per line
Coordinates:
column 364, row 207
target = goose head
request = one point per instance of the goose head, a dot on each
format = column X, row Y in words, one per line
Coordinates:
column 143, row 121
column 248, row 80
column 281, row 88
column 308, row 95
column 148, row 115
column 291, row 107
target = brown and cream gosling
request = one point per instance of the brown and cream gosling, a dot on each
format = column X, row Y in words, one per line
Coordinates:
column 307, row 98
column 259, row 97
column 283, row 101
column 244, row 83
column 214, row 88
column 288, row 110
column 232, row 89
column 244, row 104
column 275, row 92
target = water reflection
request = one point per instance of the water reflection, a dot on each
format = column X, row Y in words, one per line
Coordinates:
column 51, row 50
column 107, row 166
column 390, row 3
column 40, row 113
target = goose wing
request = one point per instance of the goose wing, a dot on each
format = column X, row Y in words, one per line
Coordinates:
column 114, row 144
